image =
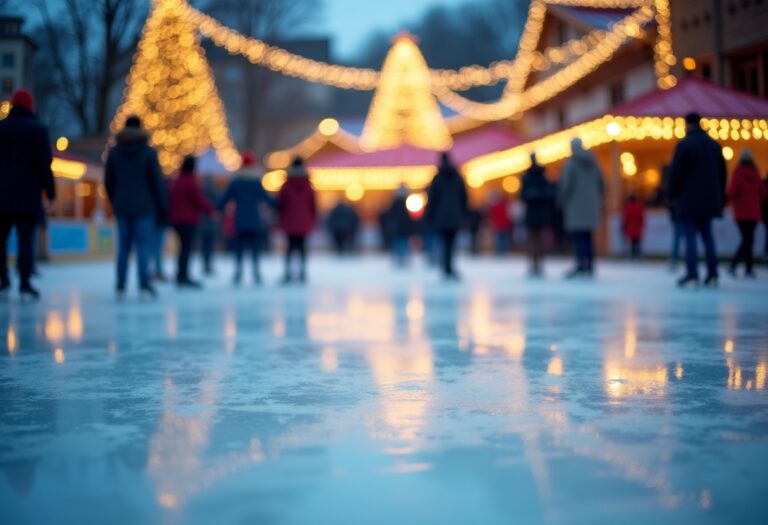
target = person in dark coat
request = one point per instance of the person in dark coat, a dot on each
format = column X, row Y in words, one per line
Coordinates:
column 298, row 213
column 580, row 191
column 401, row 226
column 210, row 226
column 249, row 196
column 25, row 174
column 765, row 217
column 697, row 191
column 138, row 194
column 747, row 194
column 447, row 206
column 538, row 194
column 342, row 223
column 633, row 225
column 188, row 204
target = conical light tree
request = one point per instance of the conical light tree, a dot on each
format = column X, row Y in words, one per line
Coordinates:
column 170, row 86
column 403, row 109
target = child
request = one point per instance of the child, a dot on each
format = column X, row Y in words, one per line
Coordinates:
column 248, row 194
column 633, row 225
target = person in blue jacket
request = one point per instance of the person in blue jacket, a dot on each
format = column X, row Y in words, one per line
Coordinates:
column 249, row 196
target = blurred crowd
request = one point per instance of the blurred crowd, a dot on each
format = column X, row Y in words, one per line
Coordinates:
column 548, row 217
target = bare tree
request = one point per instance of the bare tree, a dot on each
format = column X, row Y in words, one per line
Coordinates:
column 269, row 20
column 87, row 44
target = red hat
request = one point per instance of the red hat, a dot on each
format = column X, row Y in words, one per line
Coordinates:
column 24, row 98
column 249, row 159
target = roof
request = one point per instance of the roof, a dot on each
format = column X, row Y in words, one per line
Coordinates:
column 595, row 18
column 466, row 146
column 695, row 95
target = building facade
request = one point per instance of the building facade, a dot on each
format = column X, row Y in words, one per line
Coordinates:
column 16, row 52
column 725, row 41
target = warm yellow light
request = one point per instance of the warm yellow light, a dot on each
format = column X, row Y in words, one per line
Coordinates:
column 403, row 109
column 328, row 127
column 689, row 64
column 728, row 347
column 11, row 340
column 273, row 180
column 58, row 356
column 5, row 108
column 415, row 203
column 62, row 143
column 613, row 129
column 627, row 158
column 354, row 192
column 727, row 152
column 511, row 184
column 630, row 169
column 68, row 169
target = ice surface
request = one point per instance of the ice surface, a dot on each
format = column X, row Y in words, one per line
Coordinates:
column 376, row 396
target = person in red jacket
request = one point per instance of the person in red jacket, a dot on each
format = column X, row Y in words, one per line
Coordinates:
column 501, row 222
column 746, row 194
column 633, row 224
column 188, row 203
column 298, row 214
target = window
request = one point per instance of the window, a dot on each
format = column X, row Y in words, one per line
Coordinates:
column 617, row 93
column 7, row 85
column 746, row 75
column 9, row 60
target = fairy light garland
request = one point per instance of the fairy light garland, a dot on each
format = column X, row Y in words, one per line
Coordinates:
column 170, row 86
column 557, row 146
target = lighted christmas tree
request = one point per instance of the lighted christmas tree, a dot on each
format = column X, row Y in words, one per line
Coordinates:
column 403, row 109
column 171, row 88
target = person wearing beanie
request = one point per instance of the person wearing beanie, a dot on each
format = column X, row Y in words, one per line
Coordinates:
column 447, row 207
column 138, row 194
column 400, row 226
column 188, row 203
column 746, row 194
column 252, row 204
column 298, row 212
column 697, row 193
column 25, row 175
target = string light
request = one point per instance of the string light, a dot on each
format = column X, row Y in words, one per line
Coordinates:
column 557, row 146
column 5, row 108
column 62, row 143
column 170, row 86
column 403, row 109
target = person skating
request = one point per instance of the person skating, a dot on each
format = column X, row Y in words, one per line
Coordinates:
column 210, row 227
column 158, row 241
column 25, row 175
column 697, row 191
column 633, row 225
column 501, row 222
column 298, row 213
column 746, row 194
column 247, row 193
column 342, row 223
column 580, row 192
column 188, row 204
column 401, row 226
column 447, row 206
column 538, row 194
column 135, row 187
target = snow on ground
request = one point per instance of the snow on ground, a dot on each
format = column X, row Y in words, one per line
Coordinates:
column 379, row 396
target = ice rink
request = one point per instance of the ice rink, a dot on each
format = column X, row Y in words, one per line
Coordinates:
column 377, row 396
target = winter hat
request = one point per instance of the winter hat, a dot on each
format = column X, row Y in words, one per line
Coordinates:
column 248, row 159
column 23, row 98
column 693, row 118
column 133, row 121
column 746, row 157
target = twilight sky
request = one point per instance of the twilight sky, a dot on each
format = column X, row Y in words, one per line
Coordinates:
column 349, row 22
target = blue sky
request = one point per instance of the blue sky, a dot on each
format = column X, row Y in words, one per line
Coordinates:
column 349, row 22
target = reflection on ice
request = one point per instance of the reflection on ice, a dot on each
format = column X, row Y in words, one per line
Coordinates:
column 487, row 401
